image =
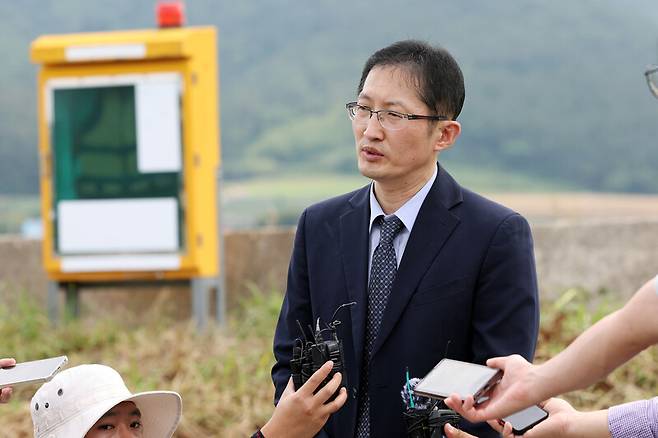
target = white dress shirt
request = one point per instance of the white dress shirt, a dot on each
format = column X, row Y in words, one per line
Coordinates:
column 407, row 214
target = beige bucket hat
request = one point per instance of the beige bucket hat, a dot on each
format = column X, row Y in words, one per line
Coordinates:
column 75, row 399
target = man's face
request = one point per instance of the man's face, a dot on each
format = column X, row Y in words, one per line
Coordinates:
column 401, row 157
column 122, row 421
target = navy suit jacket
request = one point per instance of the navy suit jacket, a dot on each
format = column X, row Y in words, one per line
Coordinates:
column 467, row 278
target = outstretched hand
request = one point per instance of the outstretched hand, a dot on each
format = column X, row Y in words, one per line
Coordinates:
column 5, row 393
column 561, row 416
column 452, row 432
column 302, row 413
column 562, row 421
column 515, row 391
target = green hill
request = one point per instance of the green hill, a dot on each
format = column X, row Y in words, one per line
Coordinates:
column 553, row 93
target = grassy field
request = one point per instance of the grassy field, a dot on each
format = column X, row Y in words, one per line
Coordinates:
column 223, row 376
column 15, row 209
column 278, row 200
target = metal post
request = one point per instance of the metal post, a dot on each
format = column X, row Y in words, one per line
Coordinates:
column 53, row 302
column 199, row 288
column 72, row 301
column 220, row 285
column 220, row 304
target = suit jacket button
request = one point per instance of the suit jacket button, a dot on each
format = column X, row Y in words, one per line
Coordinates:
column 354, row 393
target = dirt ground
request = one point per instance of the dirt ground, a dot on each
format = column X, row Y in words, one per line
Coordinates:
column 258, row 260
column 546, row 207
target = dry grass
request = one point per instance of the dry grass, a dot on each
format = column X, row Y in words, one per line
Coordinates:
column 223, row 376
column 580, row 205
column 570, row 315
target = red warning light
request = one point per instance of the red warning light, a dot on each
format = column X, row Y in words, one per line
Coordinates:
column 170, row 13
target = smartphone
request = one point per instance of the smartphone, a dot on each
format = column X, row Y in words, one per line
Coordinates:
column 36, row 371
column 526, row 419
column 453, row 376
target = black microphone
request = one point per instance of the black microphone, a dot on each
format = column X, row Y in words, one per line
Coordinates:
column 412, row 401
column 423, row 416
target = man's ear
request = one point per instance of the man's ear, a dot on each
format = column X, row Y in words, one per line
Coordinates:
column 448, row 135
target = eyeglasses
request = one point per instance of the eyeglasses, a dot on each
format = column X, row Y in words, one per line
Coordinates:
column 652, row 79
column 391, row 120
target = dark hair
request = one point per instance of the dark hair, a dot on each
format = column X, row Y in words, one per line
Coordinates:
column 433, row 70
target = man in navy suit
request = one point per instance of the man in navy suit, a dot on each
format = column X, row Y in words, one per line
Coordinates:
column 465, row 282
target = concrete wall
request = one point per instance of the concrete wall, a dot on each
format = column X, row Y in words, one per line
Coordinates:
column 618, row 256
column 613, row 255
column 255, row 260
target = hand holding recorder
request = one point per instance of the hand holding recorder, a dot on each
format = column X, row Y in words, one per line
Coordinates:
column 563, row 421
column 304, row 412
column 5, row 393
column 464, row 384
column 38, row 371
column 514, row 392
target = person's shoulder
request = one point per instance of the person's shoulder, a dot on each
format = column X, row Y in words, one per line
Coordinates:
column 481, row 208
column 468, row 204
column 476, row 200
column 339, row 204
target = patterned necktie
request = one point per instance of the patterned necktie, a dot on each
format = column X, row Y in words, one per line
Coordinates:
column 382, row 275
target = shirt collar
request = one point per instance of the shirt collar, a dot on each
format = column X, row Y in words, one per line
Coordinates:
column 409, row 210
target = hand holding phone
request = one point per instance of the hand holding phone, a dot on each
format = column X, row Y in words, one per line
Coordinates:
column 525, row 420
column 453, row 376
column 37, row 371
column 5, row 393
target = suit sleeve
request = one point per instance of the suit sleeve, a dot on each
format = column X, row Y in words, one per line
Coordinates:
column 296, row 306
column 506, row 307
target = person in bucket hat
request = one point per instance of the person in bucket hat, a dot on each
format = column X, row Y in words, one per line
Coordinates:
column 92, row 401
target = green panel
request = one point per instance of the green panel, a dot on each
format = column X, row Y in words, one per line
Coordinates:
column 94, row 141
column 95, row 145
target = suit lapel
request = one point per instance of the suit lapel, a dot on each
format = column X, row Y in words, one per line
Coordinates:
column 434, row 224
column 354, row 242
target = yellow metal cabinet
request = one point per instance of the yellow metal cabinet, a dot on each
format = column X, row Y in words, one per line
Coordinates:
column 130, row 158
